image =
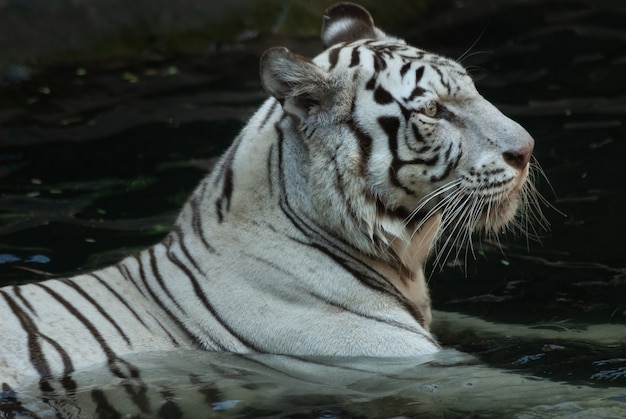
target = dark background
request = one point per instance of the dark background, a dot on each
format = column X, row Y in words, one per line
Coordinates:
column 110, row 113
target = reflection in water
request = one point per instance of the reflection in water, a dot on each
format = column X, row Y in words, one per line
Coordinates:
column 448, row 384
column 96, row 160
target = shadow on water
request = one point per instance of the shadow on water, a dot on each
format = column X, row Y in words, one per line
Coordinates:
column 97, row 157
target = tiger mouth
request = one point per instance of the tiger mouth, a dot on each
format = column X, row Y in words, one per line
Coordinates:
column 489, row 208
column 496, row 209
column 469, row 205
column 496, row 217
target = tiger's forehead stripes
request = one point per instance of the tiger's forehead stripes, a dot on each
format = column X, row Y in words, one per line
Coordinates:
column 396, row 61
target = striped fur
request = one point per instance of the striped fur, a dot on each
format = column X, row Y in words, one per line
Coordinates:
column 310, row 235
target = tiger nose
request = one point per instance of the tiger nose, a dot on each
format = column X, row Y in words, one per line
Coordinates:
column 519, row 158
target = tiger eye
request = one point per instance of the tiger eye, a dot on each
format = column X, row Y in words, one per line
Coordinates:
column 431, row 109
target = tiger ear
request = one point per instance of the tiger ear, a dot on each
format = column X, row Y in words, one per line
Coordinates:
column 295, row 81
column 347, row 22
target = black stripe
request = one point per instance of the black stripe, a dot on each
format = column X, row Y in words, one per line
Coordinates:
column 405, row 68
column 156, row 300
column 417, row 91
column 456, row 162
column 382, row 96
column 356, row 58
column 441, row 78
column 36, row 355
column 114, row 362
column 128, row 276
column 333, row 57
column 426, row 162
column 446, row 172
column 340, row 187
column 364, row 141
column 419, row 73
column 227, row 190
column 365, row 146
column 446, row 156
column 372, row 279
column 308, row 227
column 66, row 380
column 399, row 213
column 226, row 176
column 205, row 302
column 270, row 180
column 418, row 137
column 391, row 126
column 269, row 114
column 379, row 62
column 406, row 112
column 180, row 241
column 339, row 181
column 445, row 113
column 159, row 278
column 269, row 263
column 36, row 352
column 97, row 306
column 18, row 293
column 110, row 354
column 349, row 309
column 119, row 297
column 196, row 216
column 284, row 201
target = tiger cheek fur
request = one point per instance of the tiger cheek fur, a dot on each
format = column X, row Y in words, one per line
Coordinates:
column 466, row 146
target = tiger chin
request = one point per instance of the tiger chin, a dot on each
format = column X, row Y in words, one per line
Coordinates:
column 310, row 235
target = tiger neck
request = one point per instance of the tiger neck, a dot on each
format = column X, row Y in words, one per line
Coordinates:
column 406, row 271
column 381, row 239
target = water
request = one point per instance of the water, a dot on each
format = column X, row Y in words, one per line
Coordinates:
column 449, row 384
column 96, row 159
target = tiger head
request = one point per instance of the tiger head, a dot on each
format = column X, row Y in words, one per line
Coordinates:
column 398, row 139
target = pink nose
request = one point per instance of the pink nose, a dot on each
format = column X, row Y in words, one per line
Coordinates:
column 518, row 158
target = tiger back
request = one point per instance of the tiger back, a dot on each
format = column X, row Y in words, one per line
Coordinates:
column 310, row 235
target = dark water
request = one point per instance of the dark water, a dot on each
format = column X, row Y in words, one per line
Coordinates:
column 96, row 158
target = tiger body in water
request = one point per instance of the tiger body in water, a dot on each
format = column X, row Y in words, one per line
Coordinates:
column 310, row 235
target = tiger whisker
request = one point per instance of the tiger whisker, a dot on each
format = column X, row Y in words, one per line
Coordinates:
column 471, row 217
column 429, row 197
column 456, row 218
column 466, row 54
column 432, row 211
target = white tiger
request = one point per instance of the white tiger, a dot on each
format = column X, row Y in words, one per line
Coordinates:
column 310, row 235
